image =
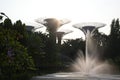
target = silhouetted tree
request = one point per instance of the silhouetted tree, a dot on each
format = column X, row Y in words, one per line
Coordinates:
column 20, row 28
column 36, row 43
column 51, row 48
column 7, row 24
column 114, row 39
column 101, row 40
column 69, row 49
column 14, row 59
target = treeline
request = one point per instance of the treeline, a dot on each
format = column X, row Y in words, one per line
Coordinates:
column 113, row 50
column 15, row 62
column 24, row 52
column 109, row 45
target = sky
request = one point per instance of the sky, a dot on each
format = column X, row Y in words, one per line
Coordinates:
column 77, row 11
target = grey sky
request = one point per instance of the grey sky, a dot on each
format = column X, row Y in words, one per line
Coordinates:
column 75, row 10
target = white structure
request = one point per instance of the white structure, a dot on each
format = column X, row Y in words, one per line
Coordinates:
column 89, row 26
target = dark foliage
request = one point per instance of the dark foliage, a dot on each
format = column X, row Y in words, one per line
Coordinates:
column 70, row 48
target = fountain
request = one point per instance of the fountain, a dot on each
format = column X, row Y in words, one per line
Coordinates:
column 90, row 63
column 88, row 66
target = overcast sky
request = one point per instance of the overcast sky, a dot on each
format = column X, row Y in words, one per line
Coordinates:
column 75, row 10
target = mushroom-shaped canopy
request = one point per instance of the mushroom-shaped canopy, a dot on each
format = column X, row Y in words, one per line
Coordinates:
column 52, row 22
column 91, row 26
column 64, row 31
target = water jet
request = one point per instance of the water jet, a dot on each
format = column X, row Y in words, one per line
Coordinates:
column 88, row 66
column 89, row 63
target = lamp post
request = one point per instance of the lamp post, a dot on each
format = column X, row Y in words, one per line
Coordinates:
column 4, row 15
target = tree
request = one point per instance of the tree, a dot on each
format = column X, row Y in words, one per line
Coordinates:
column 114, row 39
column 51, row 48
column 70, row 48
column 14, row 59
column 7, row 24
column 101, row 40
column 36, row 43
column 20, row 28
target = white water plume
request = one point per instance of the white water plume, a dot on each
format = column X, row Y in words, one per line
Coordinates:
column 91, row 66
column 90, row 63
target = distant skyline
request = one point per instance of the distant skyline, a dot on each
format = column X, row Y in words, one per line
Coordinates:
column 75, row 10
